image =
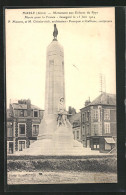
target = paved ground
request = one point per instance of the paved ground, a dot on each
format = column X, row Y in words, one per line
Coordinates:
column 60, row 177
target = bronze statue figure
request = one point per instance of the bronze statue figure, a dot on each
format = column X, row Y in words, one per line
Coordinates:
column 55, row 32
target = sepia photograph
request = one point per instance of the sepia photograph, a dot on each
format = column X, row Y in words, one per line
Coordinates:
column 61, row 116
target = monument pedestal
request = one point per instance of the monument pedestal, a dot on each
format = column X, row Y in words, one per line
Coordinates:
column 54, row 140
column 63, row 141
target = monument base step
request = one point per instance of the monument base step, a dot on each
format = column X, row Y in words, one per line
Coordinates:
column 61, row 142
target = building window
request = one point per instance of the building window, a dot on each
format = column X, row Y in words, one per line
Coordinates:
column 95, row 129
column 22, row 113
column 22, row 129
column 107, row 127
column 106, row 114
column 83, row 130
column 16, row 113
column 100, row 114
column 87, row 129
column 10, row 132
column 77, row 134
column 88, row 115
column 76, row 124
column 95, row 114
column 83, row 118
column 21, row 145
column 36, row 113
column 35, row 130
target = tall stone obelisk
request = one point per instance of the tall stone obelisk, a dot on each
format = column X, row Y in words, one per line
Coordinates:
column 55, row 86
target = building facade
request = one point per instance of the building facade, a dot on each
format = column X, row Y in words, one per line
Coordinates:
column 98, row 123
column 23, row 120
column 75, row 120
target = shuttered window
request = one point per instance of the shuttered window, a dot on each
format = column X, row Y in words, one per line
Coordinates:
column 35, row 130
column 107, row 128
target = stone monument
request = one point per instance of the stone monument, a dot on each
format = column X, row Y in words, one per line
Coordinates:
column 55, row 131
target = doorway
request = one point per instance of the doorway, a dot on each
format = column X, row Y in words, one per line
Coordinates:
column 11, row 148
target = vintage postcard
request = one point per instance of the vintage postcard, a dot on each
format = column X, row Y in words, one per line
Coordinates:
column 61, row 95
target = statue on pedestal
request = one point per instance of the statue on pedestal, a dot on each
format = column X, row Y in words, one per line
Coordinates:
column 62, row 113
column 55, row 32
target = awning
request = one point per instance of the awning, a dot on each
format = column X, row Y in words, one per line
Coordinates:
column 110, row 140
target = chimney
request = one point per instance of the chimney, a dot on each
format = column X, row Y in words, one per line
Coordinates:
column 87, row 102
column 28, row 107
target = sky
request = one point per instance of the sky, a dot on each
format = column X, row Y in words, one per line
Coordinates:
column 88, row 46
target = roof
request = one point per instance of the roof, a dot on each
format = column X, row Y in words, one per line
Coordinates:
column 104, row 99
column 35, row 107
column 75, row 117
column 17, row 106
